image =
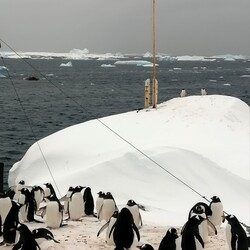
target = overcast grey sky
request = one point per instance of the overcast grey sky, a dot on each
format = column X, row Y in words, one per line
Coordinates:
column 183, row 27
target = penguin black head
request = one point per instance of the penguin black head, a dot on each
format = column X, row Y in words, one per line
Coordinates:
column 131, row 203
column 101, row 194
column 22, row 182
column 115, row 214
column 145, row 247
column 215, row 199
column 108, row 195
column 231, row 219
column 172, row 232
column 125, row 215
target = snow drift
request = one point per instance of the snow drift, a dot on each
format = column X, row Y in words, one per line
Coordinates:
column 164, row 158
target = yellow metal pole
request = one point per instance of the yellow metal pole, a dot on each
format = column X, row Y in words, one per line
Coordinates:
column 154, row 99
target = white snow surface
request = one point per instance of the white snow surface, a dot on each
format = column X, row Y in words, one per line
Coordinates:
column 164, row 158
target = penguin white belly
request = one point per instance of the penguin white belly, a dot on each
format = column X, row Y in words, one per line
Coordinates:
column 136, row 214
column 107, row 210
column 53, row 215
column 23, row 210
column 76, row 206
column 38, row 198
column 217, row 212
column 5, row 206
column 99, row 202
column 203, row 229
column 229, row 236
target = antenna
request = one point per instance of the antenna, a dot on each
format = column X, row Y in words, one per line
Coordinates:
column 154, row 81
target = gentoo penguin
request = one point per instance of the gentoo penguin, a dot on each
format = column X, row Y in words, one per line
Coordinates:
column 183, row 93
column 134, row 209
column 203, row 210
column 29, row 205
column 88, row 201
column 23, row 210
column 99, row 201
column 203, row 91
column 5, row 206
column 108, row 207
column 49, row 189
column 19, row 186
column 108, row 225
column 235, row 234
column 54, row 212
column 66, row 202
column 191, row 238
column 146, row 246
column 217, row 211
column 168, row 242
column 37, row 193
column 76, row 206
column 124, row 229
column 10, row 223
column 26, row 239
column 43, row 233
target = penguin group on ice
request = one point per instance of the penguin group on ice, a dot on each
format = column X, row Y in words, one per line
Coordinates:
column 21, row 206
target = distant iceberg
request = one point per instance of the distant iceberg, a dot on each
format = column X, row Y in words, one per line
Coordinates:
column 133, row 62
column 194, row 58
column 68, row 64
column 108, row 66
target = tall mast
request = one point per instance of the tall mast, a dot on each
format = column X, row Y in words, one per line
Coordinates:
column 154, row 87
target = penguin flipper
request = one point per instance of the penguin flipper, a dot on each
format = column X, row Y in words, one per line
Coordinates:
column 198, row 237
column 140, row 219
column 111, row 230
column 17, row 246
column 102, row 228
column 136, row 231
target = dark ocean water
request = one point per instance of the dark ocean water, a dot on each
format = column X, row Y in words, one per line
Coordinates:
column 71, row 95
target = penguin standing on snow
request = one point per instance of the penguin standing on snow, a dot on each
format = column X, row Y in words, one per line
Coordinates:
column 108, row 207
column 217, row 211
column 29, row 205
column 203, row 210
column 66, row 202
column 49, row 189
column 134, row 209
column 109, row 225
column 168, row 242
column 88, row 201
column 124, row 229
column 76, row 206
column 191, row 238
column 5, row 206
column 54, row 212
column 37, row 193
column 10, row 223
column 99, row 201
column 235, row 234
column 26, row 239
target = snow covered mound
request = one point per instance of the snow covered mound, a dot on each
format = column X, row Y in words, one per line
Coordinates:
column 164, row 158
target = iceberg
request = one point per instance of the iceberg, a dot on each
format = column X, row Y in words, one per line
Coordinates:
column 68, row 64
column 166, row 158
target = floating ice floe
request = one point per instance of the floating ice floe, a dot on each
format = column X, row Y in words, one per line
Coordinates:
column 133, row 62
column 68, row 64
column 108, row 66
